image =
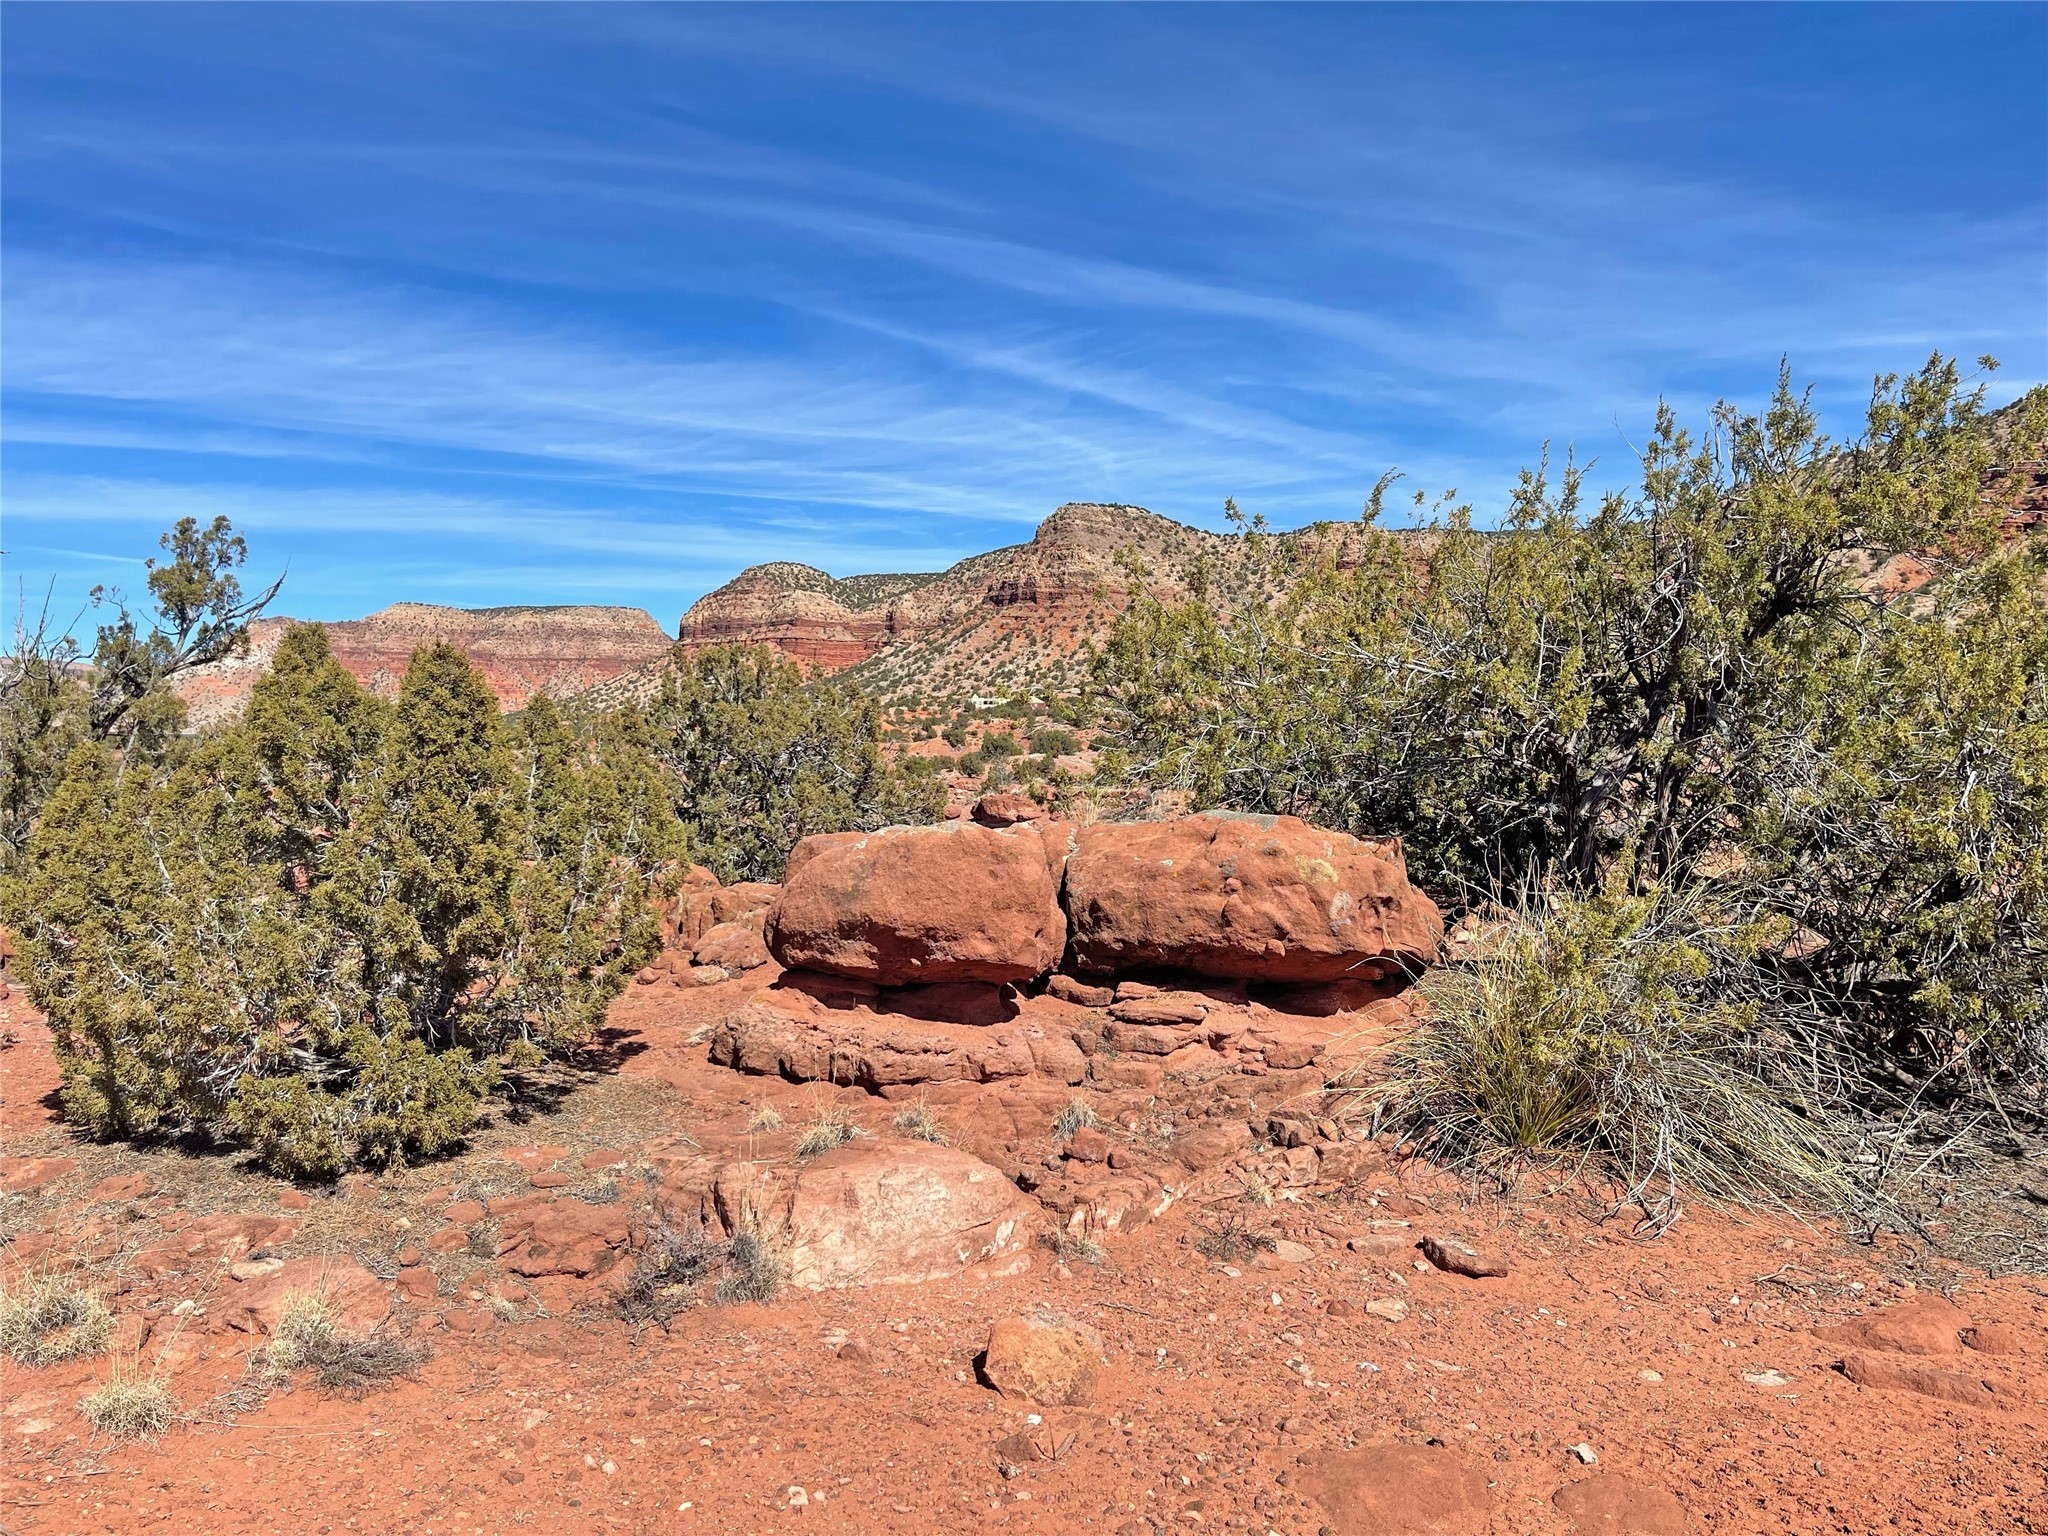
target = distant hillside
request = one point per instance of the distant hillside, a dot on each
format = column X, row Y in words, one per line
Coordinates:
column 521, row 650
column 1009, row 621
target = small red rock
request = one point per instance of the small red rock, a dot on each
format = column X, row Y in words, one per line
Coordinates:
column 464, row 1212
column 549, row 1179
column 1455, row 1258
column 1069, row 990
column 1087, row 1145
column 1047, row 1358
column 1994, row 1339
column 408, row 1256
column 1006, row 810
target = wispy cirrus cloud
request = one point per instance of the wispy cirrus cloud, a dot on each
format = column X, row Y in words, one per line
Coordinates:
column 644, row 298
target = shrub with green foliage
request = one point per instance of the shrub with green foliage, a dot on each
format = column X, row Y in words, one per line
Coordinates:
column 325, row 930
column 1054, row 741
column 54, row 695
column 1697, row 681
column 1613, row 1026
column 758, row 759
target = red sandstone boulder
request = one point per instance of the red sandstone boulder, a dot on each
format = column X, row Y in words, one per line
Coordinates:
column 1044, row 1358
column 856, row 1048
column 1899, row 1373
column 1256, row 898
column 358, row 1298
column 1069, row 990
column 1924, row 1325
column 881, row 1213
column 733, row 947
column 955, row 902
column 1006, row 810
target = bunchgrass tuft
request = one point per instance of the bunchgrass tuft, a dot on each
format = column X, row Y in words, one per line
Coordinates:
column 49, row 1318
column 131, row 1404
column 766, row 1119
column 676, row 1268
column 309, row 1337
column 831, row 1127
column 671, row 1265
column 752, row 1272
column 1072, row 1248
column 306, row 1329
column 1076, row 1115
column 919, row 1123
column 1599, row 1030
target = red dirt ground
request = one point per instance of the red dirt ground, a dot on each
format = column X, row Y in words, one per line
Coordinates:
column 1257, row 1395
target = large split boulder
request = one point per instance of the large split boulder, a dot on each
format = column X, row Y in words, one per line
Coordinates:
column 1253, row 898
column 953, row 902
column 881, row 1213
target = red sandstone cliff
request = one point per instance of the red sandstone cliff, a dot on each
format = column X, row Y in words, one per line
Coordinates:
column 1012, row 618
column 521, row 651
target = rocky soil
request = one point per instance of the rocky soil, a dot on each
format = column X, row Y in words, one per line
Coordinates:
column 1219, row 1308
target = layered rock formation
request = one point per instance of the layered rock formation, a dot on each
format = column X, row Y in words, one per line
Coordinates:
column 521, row 651
column 801, row 612
column 1246, row 898
column 1012, row 617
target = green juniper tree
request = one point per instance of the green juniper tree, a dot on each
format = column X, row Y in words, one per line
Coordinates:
column 54, row 694
column 326, row 930
column 760, row 759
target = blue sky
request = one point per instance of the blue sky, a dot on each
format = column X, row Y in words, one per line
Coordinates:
column 522, row 304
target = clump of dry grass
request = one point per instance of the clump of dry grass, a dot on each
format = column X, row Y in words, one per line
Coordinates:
column 766, row 1119
column 1071, row 1248
column 1233, row 1239
column 670, row 1266
column 1076, row 1115
column 131, row 1404
column 1601, row 1029
column 676, row 1267
column 309, row 1337
column 830, row 1127
column 50, row 1317
column 918, row 1122
column 752, row 1272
